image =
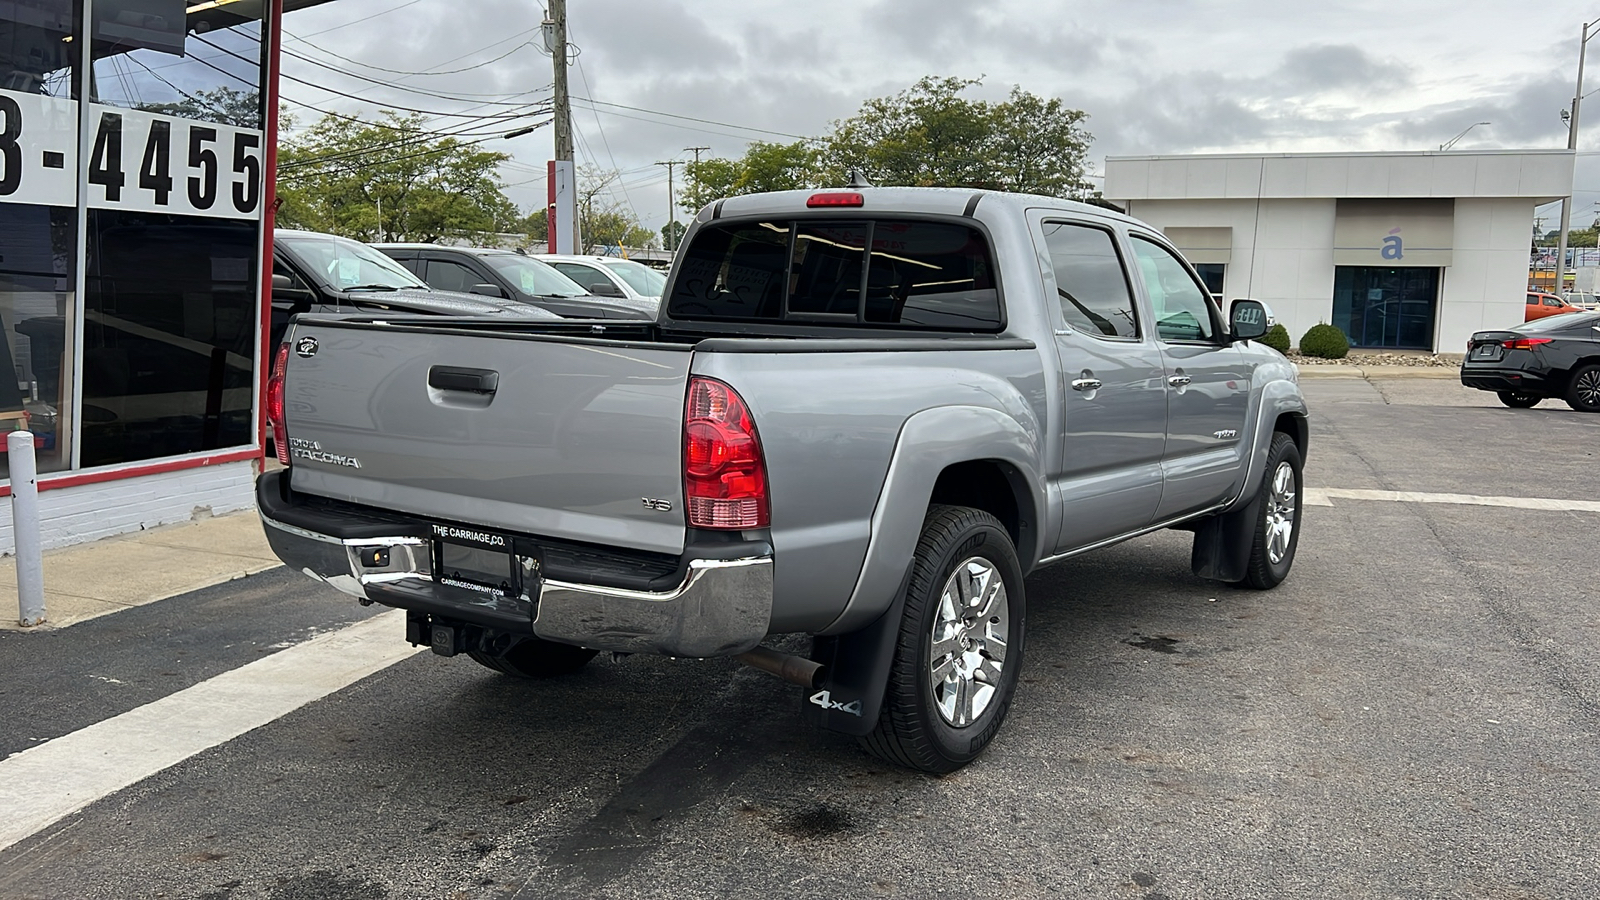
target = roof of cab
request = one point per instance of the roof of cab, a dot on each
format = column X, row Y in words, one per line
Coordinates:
column 932, row 200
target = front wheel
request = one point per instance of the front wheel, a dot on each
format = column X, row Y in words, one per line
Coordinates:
column 1519, row 399
column 1583, row 394
column 959, row 646
column 1277, row 532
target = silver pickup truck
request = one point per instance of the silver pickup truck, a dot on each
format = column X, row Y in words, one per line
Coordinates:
column 862, row 415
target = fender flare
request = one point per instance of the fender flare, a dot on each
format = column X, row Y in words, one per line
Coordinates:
column 1277, row 398
column 929, row 442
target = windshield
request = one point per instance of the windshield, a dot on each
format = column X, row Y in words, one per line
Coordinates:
column 343, row 264
column 533, row 277
column 640, row 277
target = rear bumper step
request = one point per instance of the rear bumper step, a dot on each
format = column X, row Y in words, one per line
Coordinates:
column 717, row 603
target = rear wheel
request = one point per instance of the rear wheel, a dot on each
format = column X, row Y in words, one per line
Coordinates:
column 536, row 658
column 1519, row 399
column 1583, row 394
column 959, row 647
column 1278, row 524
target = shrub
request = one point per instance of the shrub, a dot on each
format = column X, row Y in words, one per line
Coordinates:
column 1277, row 337
column 1325, row 342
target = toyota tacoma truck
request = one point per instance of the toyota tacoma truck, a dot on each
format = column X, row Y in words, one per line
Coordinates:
column 861, row 415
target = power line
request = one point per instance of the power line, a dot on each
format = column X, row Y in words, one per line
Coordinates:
column 463, row 97
column 363, row 18
column 653, row 112
column 605, row 143
column 412, row 74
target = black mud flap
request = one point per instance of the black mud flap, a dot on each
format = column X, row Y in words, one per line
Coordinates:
column 855, row 672
column 1222, row 543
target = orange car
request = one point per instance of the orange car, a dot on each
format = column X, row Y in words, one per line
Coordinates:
column 1541, row 305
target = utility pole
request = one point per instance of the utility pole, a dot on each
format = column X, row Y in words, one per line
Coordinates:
column 564, row 236
column 672, row 202
column 696, row 152
column 1572, row 144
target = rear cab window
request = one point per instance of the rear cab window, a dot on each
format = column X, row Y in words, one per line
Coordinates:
column 877, row 272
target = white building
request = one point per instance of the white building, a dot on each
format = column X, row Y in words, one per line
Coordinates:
column 1400, row 250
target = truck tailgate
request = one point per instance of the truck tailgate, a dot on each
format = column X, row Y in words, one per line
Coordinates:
column 570, row 438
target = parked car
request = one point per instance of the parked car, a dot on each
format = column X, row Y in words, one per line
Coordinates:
column 1541, row 305
column 504, row 273
column 1557, row 356
column 863, row 416
column 1582, row 299
column 608, row 276
column 324, row 273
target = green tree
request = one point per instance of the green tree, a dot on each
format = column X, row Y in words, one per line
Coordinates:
column 672, row 234
column 930, row 135
column 337, row 175
column 764, row 167
column 241, row 109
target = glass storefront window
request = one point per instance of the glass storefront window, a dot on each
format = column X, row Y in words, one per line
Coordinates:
column 38, row 221
column 1386, row 307
column 199, row 61
column 169, row 335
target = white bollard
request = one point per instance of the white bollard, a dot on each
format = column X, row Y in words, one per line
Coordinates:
column 25, row 527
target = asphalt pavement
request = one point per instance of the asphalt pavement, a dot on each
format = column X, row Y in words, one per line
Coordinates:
column 1414, row 714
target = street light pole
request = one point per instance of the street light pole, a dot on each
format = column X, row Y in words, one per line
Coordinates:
column 1572, row 144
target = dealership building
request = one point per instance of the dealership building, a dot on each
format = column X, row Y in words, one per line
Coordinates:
column 136, row 190
column 1405, row 251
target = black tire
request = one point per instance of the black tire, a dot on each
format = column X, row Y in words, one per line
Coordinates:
column 536, row 658
column 1269, row 561
column 1583, row 391
column 913, row 729
column 1519, row 399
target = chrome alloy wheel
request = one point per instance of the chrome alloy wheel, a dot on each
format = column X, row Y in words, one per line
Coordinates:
column 968, row 650
column 1280, row 513
column 1588, row 388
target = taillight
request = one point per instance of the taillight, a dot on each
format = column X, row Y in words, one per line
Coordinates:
column 280, row 430
column 1525, row 343
column 725, row 477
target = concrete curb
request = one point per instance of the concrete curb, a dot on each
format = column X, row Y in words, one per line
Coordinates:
column 1335, row 371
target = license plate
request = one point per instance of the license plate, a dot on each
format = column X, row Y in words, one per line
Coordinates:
column 477, row 560
column 1486, row 351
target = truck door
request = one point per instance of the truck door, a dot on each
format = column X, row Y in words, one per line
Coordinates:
column 1113, row 395
column 1208, row 385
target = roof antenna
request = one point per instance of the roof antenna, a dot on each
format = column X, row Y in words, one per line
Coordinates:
column 858, row 180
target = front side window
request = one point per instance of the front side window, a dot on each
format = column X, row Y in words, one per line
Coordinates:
column 451, row 276
column 585, row 276
column 1182, row 310
column 914, row 274
column 1090, row 281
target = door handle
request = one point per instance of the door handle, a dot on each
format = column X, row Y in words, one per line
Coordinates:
column 451, row 378
column 1086, row 384
column 1178, row 380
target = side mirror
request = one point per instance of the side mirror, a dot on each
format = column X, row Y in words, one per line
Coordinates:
column 1248, row 320
column 488, row 290
column 283, row 288
column 605, row 289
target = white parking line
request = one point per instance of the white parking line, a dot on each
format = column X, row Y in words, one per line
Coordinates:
column 43, row 784
column 1326, row 496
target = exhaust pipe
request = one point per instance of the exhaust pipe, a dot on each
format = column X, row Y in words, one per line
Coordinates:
column 804, row 672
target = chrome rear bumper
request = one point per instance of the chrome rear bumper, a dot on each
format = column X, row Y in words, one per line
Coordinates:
column 721, row 607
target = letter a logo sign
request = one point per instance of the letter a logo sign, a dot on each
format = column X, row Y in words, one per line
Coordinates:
column 1393, row 247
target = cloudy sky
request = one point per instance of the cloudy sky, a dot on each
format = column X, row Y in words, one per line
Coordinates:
column 1155, row 76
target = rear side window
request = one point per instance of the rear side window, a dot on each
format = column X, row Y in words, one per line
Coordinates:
column 884, row 272
column 1090, row 281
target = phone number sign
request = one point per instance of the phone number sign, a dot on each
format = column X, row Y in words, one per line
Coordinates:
column 137, row 160
column 38, row 149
